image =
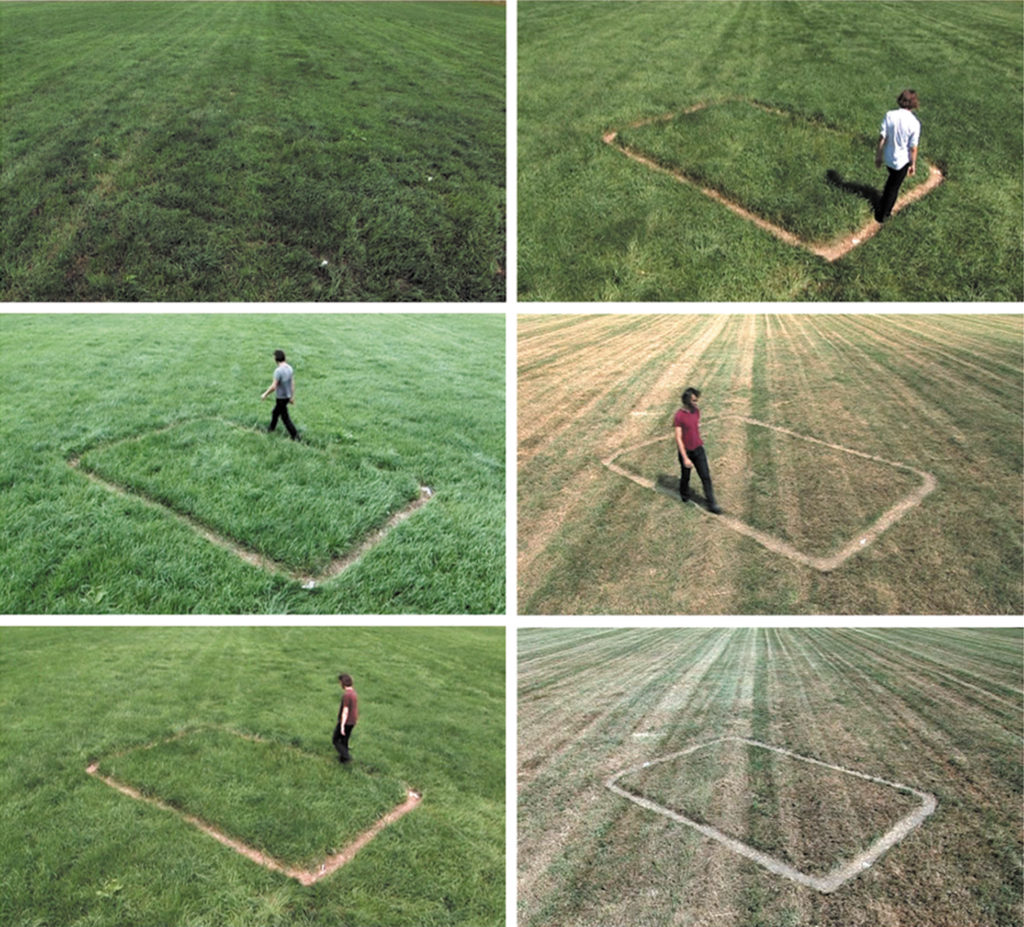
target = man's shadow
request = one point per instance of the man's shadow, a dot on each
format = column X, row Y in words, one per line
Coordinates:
column 834, row 179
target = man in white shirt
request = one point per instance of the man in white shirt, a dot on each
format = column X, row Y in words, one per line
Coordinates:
column 897, row 146
column 283, row 388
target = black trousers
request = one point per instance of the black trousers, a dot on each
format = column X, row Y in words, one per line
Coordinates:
column 340, row 740
column 699, row 459
column 892, row 190
column 281, row 412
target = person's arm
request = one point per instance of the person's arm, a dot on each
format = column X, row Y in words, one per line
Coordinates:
column 269, row 389
column 879, row 150
column 291, row 398
column 682, row 447
column 913, row 162
column 344, row 715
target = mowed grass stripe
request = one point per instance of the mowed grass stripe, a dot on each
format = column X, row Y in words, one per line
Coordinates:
column 246, row 153
column 821, row 693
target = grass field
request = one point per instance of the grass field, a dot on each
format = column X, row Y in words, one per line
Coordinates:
column 432, row 717
column 933, row 512
column 225, row 151
column 166, row 410
column 935, row 710
column 595, row 225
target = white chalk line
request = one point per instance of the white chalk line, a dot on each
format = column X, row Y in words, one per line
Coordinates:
column 825, row 884
column 334, row 568
column 830, row 251
column 825, row 564
column 304, row 876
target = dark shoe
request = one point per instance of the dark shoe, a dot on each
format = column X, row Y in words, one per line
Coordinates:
column 714, row 508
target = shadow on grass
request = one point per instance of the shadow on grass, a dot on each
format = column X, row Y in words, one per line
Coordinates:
column 834, row 179
column 669, row 486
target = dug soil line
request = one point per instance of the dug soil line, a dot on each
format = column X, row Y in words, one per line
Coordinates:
column 303, row 876
column 824, row 564
column 825, row 884
column 830, row 251
column 309, row 580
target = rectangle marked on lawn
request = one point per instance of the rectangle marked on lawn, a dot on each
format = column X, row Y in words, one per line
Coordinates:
column 295, row 504
column 296, row 807
column 812, row 180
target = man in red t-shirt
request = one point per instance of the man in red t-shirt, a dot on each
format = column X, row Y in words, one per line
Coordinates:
column 348, row 715
column 690, row 449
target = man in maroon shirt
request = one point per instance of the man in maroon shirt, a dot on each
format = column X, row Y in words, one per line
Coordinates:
column 690, row 449
column 348, row 715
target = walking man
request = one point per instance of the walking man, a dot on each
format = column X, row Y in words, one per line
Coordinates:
column 284, row 392
column 348, row 715
column 690, row 449
column 897, row 147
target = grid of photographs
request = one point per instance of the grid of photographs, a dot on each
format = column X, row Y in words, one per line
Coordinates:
column 544, row 463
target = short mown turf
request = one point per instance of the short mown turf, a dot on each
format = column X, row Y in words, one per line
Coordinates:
column 252, row 151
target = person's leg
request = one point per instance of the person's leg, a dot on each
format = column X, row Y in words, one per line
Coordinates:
column 286, row 418
column 699, row 459
column 275, row 415
column 684, row 479
column 890, row 193
column 340, row 743
column 345, row 756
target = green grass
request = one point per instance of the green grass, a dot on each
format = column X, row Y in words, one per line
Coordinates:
column 241, row 786
column 76, row 852
column 223, row 151
column 169, row 406
column 740, row 149
column 594, row 225
column 297, row 505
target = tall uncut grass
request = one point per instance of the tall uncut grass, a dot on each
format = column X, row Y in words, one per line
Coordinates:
column 384, row 404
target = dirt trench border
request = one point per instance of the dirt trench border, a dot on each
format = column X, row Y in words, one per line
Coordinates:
column 825, row 884
column 829, row 251
column 859, row 542
column 309, row 581
column 305, row 877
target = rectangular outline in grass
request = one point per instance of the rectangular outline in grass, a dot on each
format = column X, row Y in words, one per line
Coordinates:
column 831, row 251
column 773, row 543
column 825, row 884
column 303, row 876
column 309, row 580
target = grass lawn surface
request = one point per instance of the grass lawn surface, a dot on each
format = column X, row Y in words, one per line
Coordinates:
column 226, row 151
column 938, row 710
column 77, row 852
column 595, row 225
column 940, row 394
column 168, row 408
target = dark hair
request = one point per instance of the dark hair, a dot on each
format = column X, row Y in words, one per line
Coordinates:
column 279, row 355
column 907, row 99
column 688, row 395
column 345, row 679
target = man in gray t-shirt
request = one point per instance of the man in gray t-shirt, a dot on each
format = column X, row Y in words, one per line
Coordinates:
column 283, row 388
